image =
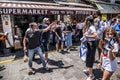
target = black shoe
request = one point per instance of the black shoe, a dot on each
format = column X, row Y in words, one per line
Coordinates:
column 62, row 51
column 46, row 69
column 31, row 72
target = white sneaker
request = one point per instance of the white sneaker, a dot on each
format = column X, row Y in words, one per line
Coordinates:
column 85, row 71
column 90, row 77
column 31, row 71
column 68, row 50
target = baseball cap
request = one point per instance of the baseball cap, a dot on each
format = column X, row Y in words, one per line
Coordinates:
column 45, row 19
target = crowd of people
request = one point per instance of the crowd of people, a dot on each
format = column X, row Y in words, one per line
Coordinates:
column 91, row 32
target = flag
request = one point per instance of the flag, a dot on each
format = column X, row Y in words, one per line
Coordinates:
column 83, row 52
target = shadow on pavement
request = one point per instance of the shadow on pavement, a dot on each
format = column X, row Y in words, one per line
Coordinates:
column 49, row 70
column 98, row 74
column 12, row 53
column 73, row 49
column 58, row 63
column 118, row 76
column 1, row 69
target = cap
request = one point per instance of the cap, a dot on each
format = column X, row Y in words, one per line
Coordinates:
column 45, row 19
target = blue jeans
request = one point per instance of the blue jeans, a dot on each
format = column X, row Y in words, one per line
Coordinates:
column 31, row 53
column 68, row 40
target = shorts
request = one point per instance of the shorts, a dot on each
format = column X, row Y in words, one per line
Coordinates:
column 57, row 40
column 109, row 65
column 46, row 46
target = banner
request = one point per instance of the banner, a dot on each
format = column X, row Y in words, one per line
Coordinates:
column 6, row 23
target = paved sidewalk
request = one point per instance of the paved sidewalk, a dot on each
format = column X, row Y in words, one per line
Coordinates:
column 66, row 66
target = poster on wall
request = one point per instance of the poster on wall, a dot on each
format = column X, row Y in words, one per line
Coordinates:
column 6, row 24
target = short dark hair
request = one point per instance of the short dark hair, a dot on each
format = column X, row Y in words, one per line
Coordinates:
column 31, row 24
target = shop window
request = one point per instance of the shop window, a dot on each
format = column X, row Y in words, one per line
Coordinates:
column 1, row 29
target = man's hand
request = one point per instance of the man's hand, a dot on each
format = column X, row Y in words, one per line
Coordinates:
column 99, row 65
column 25, row 48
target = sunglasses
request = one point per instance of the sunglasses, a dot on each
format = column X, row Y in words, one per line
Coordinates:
column 109, row 33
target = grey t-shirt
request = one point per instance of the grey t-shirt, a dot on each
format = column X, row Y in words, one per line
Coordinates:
column 33, row 38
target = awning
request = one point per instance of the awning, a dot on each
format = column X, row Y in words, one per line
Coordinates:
column 26, row 8
column 108, row 8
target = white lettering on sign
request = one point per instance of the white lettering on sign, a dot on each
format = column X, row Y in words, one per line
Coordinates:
column 30, row 11
column 69, row 12
column 24, row 11
column 14, row 11
column 44, row 12
column 18, row 11
column 54, row 12
column 78, row 12
column 34, row 11
column 62, row 12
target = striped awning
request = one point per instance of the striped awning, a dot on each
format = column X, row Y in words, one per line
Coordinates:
column 26, row 8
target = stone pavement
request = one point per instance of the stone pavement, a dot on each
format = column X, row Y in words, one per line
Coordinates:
column 66, row 66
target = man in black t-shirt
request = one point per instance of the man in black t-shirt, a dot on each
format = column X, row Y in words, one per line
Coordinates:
column 58, row 35
column 32, row 38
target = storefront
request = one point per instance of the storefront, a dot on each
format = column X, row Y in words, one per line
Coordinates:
column 21, row 14
column 110, row 10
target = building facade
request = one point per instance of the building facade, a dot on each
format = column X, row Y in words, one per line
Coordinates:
column 21, row 13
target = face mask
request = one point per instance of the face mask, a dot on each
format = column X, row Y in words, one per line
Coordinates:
column 36, row 30
column 96, row 24
column 107, row 39
column 110, row 40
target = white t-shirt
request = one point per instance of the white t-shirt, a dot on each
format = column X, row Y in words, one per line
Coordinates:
column 63, row 26
column 79, row 25
column 90, row 31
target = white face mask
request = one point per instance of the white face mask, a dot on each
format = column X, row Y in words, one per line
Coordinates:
column 107, row 39
column 35, row 29
column 96, row 24
column 110, row 40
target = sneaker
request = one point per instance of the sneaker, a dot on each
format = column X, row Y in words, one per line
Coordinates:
column 86, row 72
column 31, row 71
column 90, row 77
column 62, row 51
column 47, row 61
column 46, row 69
column 57, row 51
column 68, row 50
